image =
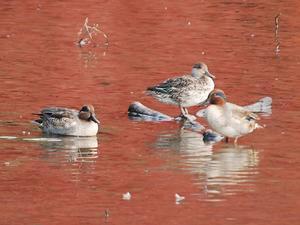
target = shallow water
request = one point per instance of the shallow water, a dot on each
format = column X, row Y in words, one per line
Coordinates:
column 56, row 180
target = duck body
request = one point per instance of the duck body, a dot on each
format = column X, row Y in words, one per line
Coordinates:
column 228, row 119
column 70, row 122
column 185, row 91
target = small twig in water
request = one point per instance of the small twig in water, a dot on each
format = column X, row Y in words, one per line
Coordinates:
column 277, row 17
column 87, row 32
column 106, row 214
column 277, row 48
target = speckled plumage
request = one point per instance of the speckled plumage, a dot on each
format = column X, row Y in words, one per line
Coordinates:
column 64, row 121
column 185, row 91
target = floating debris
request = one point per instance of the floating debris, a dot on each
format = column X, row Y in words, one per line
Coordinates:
column 106, row 213
column 89, row 40
column 178, row 198
column 126, row 196
column 88, row 32
column 83, row 41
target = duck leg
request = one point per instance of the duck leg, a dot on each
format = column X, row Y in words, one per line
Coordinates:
column 182, row 110
column 182, row 114
column 185, row 115
column 235, row 140
column 186, row 111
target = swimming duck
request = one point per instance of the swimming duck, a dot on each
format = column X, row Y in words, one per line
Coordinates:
column 71, row 122
column 228, row 119
column 185, row 91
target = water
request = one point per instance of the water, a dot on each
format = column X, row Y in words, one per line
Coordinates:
column 55, row 180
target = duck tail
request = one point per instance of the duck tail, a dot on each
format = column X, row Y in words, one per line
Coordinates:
column 151, row 90
column 37, row 114
column 258, row 126
column 38, row 122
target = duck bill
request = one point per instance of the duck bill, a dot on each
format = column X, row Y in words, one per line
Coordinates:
column 209, row 75
column 93, row 118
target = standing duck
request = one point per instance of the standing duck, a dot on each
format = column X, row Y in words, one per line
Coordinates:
column 185, row 91
column 228, row 119
column 70, row 122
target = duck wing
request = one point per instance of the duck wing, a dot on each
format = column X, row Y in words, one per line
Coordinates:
column 171, row 85
column 263, row 105
column 58, row 113
column 241, row 113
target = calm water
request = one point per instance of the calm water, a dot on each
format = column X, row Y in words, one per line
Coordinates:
column 75, row 180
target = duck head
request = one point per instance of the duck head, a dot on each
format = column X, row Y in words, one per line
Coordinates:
column 200, row 69
column 217, row 97
column 87, row 113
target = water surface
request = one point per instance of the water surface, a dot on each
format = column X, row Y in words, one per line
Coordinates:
column 55, row 180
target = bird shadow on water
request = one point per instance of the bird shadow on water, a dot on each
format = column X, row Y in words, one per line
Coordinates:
column 219, row 169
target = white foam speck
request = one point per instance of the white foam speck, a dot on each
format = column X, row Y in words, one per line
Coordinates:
column 42, row 139
column 8, row 137
column 126, row 196
column 178, row 198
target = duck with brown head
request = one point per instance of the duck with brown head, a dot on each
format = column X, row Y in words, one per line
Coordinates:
column 70, row 122
column 217, row 97
column 87, row 113
column 228, row 119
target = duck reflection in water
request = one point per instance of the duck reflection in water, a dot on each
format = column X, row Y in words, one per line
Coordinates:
column 220, row 171
column 71, row 149
column 75, row 155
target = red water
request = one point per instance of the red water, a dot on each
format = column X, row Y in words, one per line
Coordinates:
column 66, row 182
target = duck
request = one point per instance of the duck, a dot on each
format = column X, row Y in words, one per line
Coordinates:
column 187, row 90
column 68, row 122
column 228, row 119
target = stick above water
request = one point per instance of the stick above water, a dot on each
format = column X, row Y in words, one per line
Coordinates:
column 137, row 111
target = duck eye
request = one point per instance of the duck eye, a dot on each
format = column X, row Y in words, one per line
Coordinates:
column 220, row 94
column 197, row 66
column 85, row 109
